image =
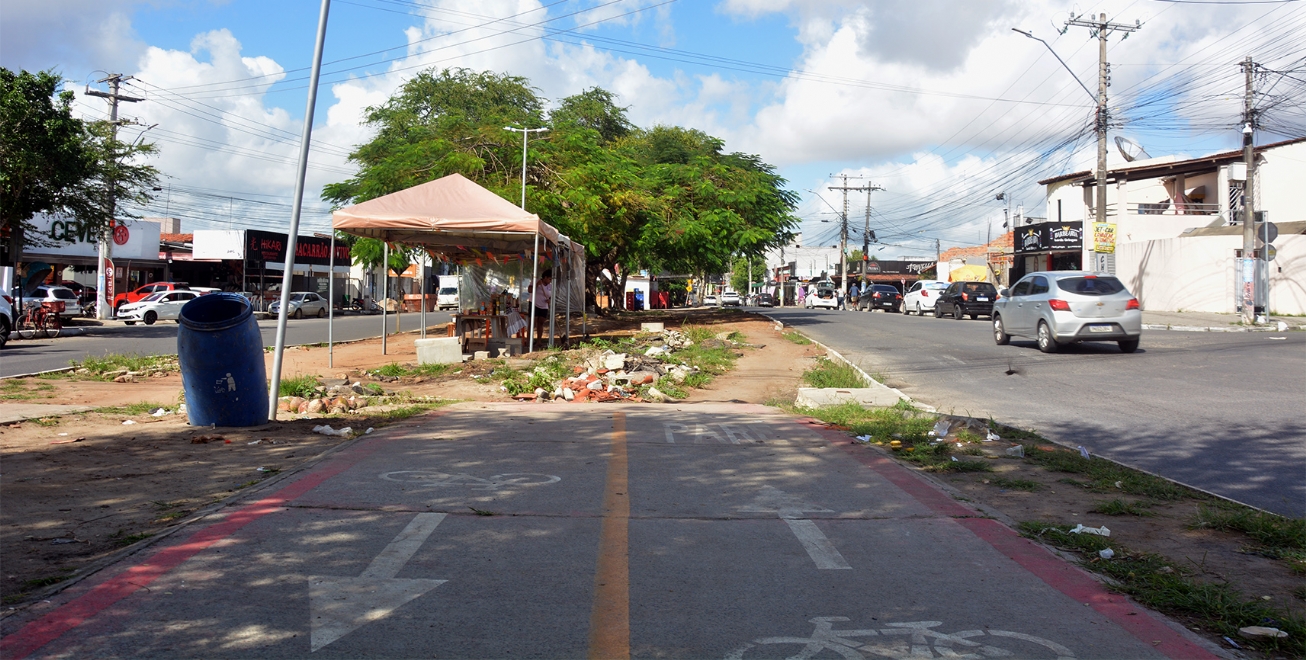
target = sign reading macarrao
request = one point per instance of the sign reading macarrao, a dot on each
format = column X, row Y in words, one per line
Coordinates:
column 58, row 236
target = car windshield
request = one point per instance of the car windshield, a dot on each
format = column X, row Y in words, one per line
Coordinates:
column 978, row 287
column 884, row 288
column 937, row 285
column 296, row 297
column 64, row 294
column 1091, row 285
column 448, row 291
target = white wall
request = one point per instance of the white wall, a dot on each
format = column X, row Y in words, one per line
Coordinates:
column 1280, row 183
column 1197, row 274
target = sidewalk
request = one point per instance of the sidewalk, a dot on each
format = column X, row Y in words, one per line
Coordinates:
column 507, row 530
column 1213, row 322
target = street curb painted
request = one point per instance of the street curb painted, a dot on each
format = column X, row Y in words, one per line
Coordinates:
column 1199, row 328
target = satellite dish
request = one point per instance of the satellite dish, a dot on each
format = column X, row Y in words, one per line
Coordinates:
column 1131, row 150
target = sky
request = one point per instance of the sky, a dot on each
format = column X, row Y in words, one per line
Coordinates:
column 938, row 103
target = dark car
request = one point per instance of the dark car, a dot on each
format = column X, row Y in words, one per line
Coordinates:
column 764, row 300
column 962, row 298
column 881, row 296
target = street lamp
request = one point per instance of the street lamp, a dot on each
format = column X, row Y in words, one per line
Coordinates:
column 525, row 133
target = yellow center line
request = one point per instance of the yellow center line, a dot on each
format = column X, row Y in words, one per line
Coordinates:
column 610, row 618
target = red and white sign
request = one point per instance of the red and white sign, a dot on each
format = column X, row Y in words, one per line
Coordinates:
column 121, row 235
column 108, row 279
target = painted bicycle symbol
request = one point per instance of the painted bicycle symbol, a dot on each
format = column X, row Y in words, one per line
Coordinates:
column 429, row 479
column 914, row 639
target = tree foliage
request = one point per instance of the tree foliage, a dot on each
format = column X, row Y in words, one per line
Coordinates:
column 739, row 276
column 665, row 198
column 52, row 162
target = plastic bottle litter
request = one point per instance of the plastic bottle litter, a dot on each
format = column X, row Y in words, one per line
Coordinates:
column 992, row 437
column 128, row 422
column 369, row 430
column 1254, row 632
column 1100, row 531
column 1083, row 452
column 159, row 412
column 954, row 459
column 327, row 430
column 863, row 438
column 1106, row 554
column 1018, row 451
column 941, row 428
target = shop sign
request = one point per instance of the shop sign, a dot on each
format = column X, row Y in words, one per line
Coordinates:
column 1065, row 236
column 1104, row 237
column 889, row 267
column 263, row 247
column 1030, row 239
column 134, row 240
column 121, row 235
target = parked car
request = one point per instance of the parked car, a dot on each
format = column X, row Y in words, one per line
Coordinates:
column 825, row 296
column 302, row 303
column 6, row 318
column 962, row 298
column 1056, row 308
column 764, row 300
column 709, row 301
column 922, row 295
column 153, row 287
column 881, row 296
column 447, row 297
column 730, row 299
column 162, row 305
column 53, row 293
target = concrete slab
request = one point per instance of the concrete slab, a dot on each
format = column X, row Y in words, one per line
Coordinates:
column 17, row 412
column 508, row 530
column 870, row 397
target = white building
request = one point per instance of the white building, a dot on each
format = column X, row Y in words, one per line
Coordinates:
column 1178, row 228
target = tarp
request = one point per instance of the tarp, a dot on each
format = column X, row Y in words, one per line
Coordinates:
column 968, row 274
column 446, row 212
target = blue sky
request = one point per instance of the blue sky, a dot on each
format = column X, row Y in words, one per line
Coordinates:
column 938, row 101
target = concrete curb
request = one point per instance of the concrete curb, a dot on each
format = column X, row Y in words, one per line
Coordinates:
column 1198, row 328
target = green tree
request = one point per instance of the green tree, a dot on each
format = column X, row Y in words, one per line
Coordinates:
column 52, row 162
column 739, row 273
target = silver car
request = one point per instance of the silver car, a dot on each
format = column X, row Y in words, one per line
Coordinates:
column 53, row 293
column 302, row 303
column 1056, row 308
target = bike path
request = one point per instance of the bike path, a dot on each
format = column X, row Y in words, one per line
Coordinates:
column 502, row 530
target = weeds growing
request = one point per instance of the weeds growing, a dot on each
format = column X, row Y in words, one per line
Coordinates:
column 829, row 373
column 132, row 409
column 300, row 386
column 1119, row 507
column 99, row 366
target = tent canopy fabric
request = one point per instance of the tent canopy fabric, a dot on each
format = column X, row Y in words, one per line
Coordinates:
column 450, row 211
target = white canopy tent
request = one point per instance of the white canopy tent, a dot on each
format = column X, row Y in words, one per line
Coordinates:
column 456, row 220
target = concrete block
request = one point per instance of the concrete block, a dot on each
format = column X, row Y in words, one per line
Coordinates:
column 481, row 355
column 651, row 327
column 439, row 350
column 872, row 397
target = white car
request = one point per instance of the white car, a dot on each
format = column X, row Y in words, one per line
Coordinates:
column 447, row 298
column 53, row 293
column 302, row 303
column 162, row 305
column 922, row 295
column 6, row 318
column 709, row 301
column 730, row 298
column 825, row 296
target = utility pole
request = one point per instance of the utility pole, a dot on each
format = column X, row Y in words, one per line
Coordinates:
column 843, row 229
column 1100, row 28
column 1250, row 270
column 103, row 304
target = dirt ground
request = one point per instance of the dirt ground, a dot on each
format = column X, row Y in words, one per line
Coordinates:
column 79, row 488
column 68, row 506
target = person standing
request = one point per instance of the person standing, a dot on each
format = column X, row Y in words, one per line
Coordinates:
column 542, row 297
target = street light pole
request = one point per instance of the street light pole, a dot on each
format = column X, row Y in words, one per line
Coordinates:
column 525, row 133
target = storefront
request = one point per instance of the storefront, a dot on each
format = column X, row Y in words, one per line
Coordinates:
column 897, row 273
column 68, row 247
column 260, row 258
column 1047, row 246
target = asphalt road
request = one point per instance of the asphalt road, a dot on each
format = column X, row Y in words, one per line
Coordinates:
column 1218, row 411
column 31, row 356
column 518, row 530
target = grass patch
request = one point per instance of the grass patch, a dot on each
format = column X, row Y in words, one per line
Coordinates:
column 131, row 409
column 1015, row 484
column 99, row 366
column 882, row 424
column 1274, row 536
column 47, row 421
column 392, row 370
column 797, row 338
column 1157, row 583
column 15, row 389
column 397, row 370
column 671, row 388
column 300, row 386
column 404, row 412
column 1104, row 476
column 121, row 539
column 829, row 373
column 1119, row 507
column 545, row 375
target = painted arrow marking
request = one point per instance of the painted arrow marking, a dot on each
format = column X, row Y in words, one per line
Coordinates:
column 791, row 508
column 340, row 605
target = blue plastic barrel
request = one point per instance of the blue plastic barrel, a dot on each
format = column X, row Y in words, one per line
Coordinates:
column 221, row 356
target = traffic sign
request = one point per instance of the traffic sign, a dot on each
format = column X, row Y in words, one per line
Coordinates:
column 1270, row 253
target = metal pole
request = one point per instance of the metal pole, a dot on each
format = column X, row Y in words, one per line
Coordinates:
column 1100, row 193
column 422, row 302
column 304, row 142
column 385, row 290
column 331, row 304
column 524, row 133
column 1249, row 264
column 535, row 282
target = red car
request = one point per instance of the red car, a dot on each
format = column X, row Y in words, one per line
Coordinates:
column 153, row 287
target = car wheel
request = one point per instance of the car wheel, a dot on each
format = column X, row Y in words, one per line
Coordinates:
column 150, row 318
column 1046, row 342
column 4, row 332
column 299, row 314
column 905, row 311
column 321, row 312
column 938, row 311
column 1000, row 336
column 1128, row 345
column 918, row 310
column 956, row 312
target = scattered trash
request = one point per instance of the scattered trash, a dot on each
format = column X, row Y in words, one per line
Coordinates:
column 941, row 428
column 863, row 438
column 181, row 410
column 267, row 469
column 1018, row 451
column 326, row 429
column 895, row 444
column 368, row 431
column 1100, row 531
column 254, row 443
column 954, row 459
column 1083, row 452
column 62, row 541
column 1120, row 484
column 1106, row 554
column 1281, row 327
column 63, row 434
column 203, row 439
column 64, row 442
column 1255, row 632
column 128, row 422
column 1231, row 642
column 992, row 437
column 159, row 412
column 1165, row 570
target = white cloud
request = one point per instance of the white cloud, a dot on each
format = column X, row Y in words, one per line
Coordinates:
column 78, row 35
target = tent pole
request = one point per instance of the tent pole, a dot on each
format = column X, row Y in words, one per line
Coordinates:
column 385, row 289
column 331, row 304
column 566, row 334
column 553, row 301
column 535, row 276
column 425, row 256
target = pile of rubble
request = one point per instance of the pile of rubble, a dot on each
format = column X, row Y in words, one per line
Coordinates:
column 612, row 376
column 335, row 399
